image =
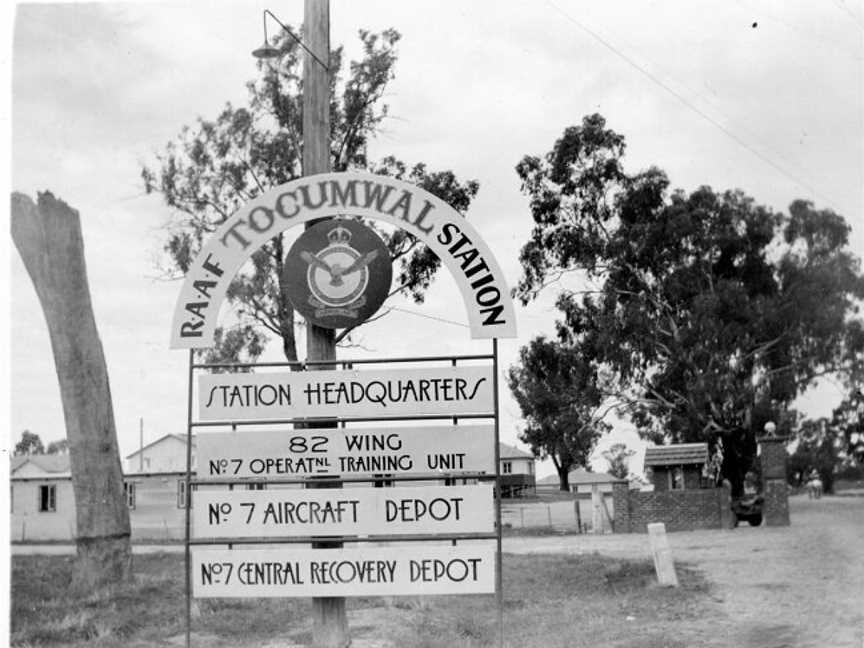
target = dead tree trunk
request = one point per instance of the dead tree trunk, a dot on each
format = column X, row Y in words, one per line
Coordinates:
column 48, row 238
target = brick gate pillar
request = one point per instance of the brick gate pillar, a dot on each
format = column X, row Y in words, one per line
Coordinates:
column 772, row 455
column 620, row 506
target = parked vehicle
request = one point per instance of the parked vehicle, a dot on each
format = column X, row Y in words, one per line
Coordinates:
column 748, row 508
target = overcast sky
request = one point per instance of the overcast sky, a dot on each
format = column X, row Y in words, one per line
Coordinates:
column 758, row 95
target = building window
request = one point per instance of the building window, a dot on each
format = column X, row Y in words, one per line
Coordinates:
column 676, row 478
column 256, row 486
column 507, row 467
column 129, row 494
column 530, row 467
column 47, row 499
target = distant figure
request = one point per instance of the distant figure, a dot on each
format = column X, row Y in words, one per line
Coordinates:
column 814, row 486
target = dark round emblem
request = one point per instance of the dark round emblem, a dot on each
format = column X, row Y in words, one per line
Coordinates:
column 338, row 273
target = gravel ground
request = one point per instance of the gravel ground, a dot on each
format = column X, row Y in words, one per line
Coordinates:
column 800, row 586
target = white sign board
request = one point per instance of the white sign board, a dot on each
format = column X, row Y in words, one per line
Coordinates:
column 351, row 511
column 364, row 571
column 447, row 233
column 346, row 394
column 346, row 451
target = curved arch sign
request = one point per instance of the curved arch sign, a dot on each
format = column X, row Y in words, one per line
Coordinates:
column 434, row 222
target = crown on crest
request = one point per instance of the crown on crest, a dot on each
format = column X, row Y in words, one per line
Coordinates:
column 339, row 234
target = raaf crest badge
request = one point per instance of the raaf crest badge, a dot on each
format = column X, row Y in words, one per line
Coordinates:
column 339, row 273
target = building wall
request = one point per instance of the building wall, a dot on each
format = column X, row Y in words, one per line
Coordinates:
column 157, row 514
column 519, row 466
column 28, row 523
column 679, row 510
column 520, row 480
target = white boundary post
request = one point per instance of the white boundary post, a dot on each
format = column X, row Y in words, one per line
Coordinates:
column 662, row 553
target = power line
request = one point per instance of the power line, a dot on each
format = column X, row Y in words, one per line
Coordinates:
column 430, row 317
column 718, row 109
column 799, row 181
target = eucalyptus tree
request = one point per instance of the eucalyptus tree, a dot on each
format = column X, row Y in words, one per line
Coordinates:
column 558, row 392
column 29, row 444
column 714, row 312
column 618, row 457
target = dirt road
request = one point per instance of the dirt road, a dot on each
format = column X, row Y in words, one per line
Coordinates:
column 795, row 587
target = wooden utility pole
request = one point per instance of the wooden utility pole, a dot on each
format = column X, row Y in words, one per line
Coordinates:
column 329, row 618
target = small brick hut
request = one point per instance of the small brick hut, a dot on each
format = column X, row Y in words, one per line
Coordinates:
column 677, row 467
column 682, row 498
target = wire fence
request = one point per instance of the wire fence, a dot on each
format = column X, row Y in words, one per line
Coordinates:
column 568, row 515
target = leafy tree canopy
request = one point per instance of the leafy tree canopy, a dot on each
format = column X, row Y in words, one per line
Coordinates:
column 218, row 165
column 618, row 456
column 713, row 312
column 57, row 447
column 848, row 422
column 29, row 444
column 818, row 449
column 557, row 391
column 830, row 445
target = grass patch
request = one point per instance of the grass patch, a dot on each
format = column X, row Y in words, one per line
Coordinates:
column 562, row 602
column 45, row 613
column 546, row 599
column 150, row 609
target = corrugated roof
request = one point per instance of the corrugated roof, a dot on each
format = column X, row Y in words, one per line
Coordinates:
column 676, row 454
column 510, row 452
column 53, row 463
column 179, row 437
column 581, row 476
